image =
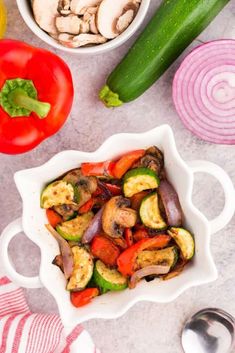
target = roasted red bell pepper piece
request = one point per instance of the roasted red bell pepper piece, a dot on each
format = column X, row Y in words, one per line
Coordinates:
column 126, row 261
column 126, row 162
column 137, row 199
column 53, row 217
column 98, row 169
column 83, row 297
column 105, row 250
column 87, row 206
column 116, row 190
column 140, row 233
column 128, row 236
column 36, row 95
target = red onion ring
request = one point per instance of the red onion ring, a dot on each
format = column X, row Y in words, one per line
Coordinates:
column 66, row 252
column 94, row 227
column 171, row 203
column 204, row 91
column 147, row 271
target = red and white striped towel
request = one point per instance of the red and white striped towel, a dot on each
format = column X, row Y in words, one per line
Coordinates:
column 24, row 332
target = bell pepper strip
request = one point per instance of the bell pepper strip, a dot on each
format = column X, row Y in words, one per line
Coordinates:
column 141, row 233
column 53, row 217
column 116, row 190
column 126, row 261
column 36, row 95
column 98, row 169
column 137, row 199
column 126, row 162
column 105, row 250
column 83, row 297
column 128, row 237
column 87, row 206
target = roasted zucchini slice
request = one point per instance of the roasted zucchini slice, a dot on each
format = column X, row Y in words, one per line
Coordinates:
column 73, row 230
column 107, row 278
column 83, row 269
column 167, row 256
column 59, row 192
column 139, row 179
column 184, row 240
column 150, row 213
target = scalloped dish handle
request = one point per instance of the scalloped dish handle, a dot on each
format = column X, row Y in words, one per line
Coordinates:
column 200, row 166
column 7, row 235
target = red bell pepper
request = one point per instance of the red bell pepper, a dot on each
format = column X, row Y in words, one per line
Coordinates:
column 126, row 162
column 128, row 236
column 87, row 206
column 98, row 168
column 53, row 218
column 116, row 190
column 126, row 261
column 36, row 95
column 105, row 250
column 83, row 297
column 137, row 199
column 140, row 233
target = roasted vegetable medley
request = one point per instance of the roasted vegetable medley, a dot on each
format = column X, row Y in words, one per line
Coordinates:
column 116, row 222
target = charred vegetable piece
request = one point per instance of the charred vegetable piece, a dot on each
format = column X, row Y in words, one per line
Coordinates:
column 83, row 297
column 58, row 261
column 167, row 256
column 94, row 227
column 184, row 240
column 100, row 169
column 107, row 278
column 74, row 229
column 117, row 215
column 153, row 159
column 127, row 260
column 66, row 211
column 83, row 269
column 104, row 249
column 150, row 213
column 59, row 193
column 139, row 179
column 53, row 218
column 153, row 270
column 86, row 185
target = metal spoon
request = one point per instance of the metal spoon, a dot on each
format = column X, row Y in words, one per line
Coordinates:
column 209, row 331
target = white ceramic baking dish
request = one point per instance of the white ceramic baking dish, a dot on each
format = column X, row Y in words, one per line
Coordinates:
column 202, row 270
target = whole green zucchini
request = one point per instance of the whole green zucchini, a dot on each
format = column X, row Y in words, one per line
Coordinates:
column 173, row 27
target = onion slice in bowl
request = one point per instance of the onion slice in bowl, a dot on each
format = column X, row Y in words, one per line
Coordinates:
column 204, row 91
column 147, row 271
column 171, row 204
column 66, row 252
column 94, row 227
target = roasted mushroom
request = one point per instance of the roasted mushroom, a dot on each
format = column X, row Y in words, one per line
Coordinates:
column 118, row 215
column 153, row 159
column 86, row 185
column 66, row 211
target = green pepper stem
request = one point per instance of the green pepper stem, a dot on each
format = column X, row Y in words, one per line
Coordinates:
column 20, row 98
column 109, row 98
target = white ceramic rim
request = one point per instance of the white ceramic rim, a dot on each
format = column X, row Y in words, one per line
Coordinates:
column 112, row 305
column 26, row 13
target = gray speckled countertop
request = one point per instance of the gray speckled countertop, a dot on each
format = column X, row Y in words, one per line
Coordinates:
column 147, row 326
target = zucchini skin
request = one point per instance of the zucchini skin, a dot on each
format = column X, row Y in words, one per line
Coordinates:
column 173, row 27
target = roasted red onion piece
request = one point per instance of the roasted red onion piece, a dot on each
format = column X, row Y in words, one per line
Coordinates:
column 171, row 204
column 66, row 252
column 147, row 271
column 94, row 227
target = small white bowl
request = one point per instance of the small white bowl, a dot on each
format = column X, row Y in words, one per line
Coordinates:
column 201, row 270
column 26, row 12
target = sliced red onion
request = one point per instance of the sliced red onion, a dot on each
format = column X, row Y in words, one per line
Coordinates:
column 171, row 204
column 147, row 271
column 66, row 252
column 94, row 227
column 204, row 91
column 105, row 190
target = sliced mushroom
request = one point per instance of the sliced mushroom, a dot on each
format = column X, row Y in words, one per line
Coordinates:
column 108, row 13
column 118, row 215
column 66, row 39
column 86, row 39
column 124, row 21
column 69, row 24
column 85, row 27
column 92, row 23
column 66, row 211
column 78, row 5
column 45, row 13
column 153, row 159
column 86, row 185
column 64, row 5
